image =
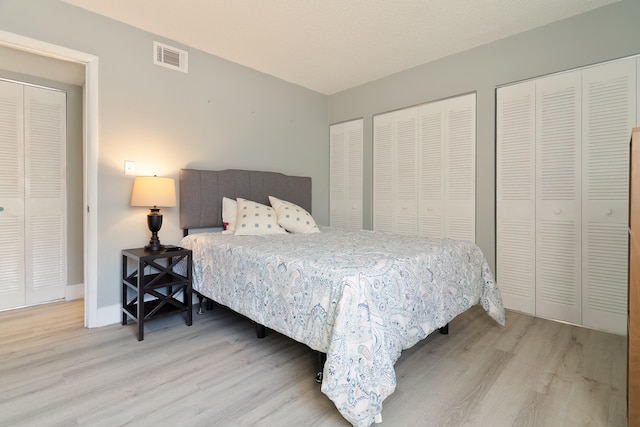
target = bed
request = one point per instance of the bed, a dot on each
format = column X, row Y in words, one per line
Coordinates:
column 360, row 297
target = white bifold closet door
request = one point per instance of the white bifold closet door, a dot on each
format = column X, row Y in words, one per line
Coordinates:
column 460, row 167
column 395, row 167
column 32, row 195
column 516, row 196
column 405, row 172
column 424, row 169
column 383, row 172
column 609, row 114
column 558, row 202
column 562, row 191
column 431, row 155
column 346, row 174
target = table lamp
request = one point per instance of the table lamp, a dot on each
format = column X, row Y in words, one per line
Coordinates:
column 154, row 192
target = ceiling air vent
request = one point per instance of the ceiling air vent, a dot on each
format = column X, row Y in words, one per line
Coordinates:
column 170, row 57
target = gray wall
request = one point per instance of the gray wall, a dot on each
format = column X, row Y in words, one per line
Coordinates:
column 219, row 115
column 222, row 115
column 603, row 34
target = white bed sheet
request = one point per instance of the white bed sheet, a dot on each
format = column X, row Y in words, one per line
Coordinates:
column 359, row 296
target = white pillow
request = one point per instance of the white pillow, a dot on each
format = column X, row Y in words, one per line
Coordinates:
column 293, row 218
column 256, row 218
column 229, row 214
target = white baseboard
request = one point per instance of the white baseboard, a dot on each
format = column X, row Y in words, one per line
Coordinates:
column 72, row 292
column 108, row 315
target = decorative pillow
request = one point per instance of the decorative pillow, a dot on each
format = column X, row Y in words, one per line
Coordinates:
column 256, row 218
column 229, row 214
column 293, row 218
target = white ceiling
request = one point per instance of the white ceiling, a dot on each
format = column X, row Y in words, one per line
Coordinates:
column 332, row 45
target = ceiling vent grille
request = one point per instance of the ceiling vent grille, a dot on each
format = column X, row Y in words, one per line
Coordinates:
column 170, row 57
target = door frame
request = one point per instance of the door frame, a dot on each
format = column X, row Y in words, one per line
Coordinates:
column 90, row 158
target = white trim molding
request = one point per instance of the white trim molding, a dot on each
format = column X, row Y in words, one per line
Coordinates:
column 108, row 315
column 73, row 292
column 90, row 166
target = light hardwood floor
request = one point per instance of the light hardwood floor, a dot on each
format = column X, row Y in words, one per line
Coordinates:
column 533, row 372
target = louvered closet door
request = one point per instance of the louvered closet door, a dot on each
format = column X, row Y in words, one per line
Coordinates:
column 45, row 194
column 405, row 169
column 424, row 169
column 395, row 166
column 460, row 167
column 515, row 198
column 383, row 197
column 558, row 197
column 12, row 253
column 609, row 112
column 346, row 151
column 355, row 148
column 337, row 172
column 431, row 170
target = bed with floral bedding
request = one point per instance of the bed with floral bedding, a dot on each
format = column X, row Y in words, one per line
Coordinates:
column 360, row 297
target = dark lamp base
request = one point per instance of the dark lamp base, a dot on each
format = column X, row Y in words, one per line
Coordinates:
column 154, row 221
column 154, row 247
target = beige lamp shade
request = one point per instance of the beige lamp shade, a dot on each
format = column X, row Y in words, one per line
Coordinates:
column 153, row 191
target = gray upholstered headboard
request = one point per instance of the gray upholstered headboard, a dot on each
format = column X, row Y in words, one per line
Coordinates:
column 201, row 192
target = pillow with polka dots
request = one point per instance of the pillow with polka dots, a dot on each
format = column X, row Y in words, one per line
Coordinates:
column 292, row 217
column 255, row 218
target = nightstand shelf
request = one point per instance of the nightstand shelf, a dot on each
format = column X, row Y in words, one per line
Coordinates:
column 155, row 275
column 153, row 309
column 152, row 281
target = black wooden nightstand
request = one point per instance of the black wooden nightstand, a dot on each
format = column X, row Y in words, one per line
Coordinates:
column 155, row 274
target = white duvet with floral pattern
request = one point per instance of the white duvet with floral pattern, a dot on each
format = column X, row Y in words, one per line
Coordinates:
column 359, row 296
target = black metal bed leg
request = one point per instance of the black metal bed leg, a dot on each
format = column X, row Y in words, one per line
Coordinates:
column 444, row 330
column 261, row 332
column 322, row 358
column 200, row 302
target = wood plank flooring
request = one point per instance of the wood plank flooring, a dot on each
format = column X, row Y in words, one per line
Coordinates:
column 533, row 372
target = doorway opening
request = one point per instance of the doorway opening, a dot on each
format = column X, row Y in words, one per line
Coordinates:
column 89, row 158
